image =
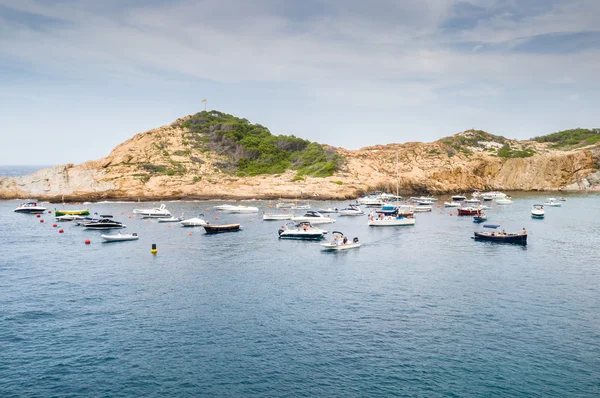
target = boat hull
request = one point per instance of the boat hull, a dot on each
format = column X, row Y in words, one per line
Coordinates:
column 334, row 247
column 499, row 238
column 119, row 238
column 301, row 236
column 217, row 229
column 276, row 217
column 38, row 210
column 396, row 222
column 84, row 212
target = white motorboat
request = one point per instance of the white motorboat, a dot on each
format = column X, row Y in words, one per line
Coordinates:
column 194, row 222
column 328, row 210
column 425, row 199
column 314, row 217
column 157, row 212
column 241, row 209
column 70, row 217
column 351, row 210
column 452, row 204
column 224, row 207
column 170, row 219
column 340, row 242
column 292, row 206
column 472, row 201
column 302, row 230
column 277, row 217
column 538, row 211
column 503, row 201
column 390, row 220
column 489, row 196
column 120, row 237
column 30, row 208
column 552, row 202
column 458, row 198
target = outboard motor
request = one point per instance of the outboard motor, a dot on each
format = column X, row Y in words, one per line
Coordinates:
column 355, row 240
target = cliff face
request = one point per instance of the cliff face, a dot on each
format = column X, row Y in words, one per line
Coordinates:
column 161, row 163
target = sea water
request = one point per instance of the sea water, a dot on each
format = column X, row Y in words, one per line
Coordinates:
column 420, row 311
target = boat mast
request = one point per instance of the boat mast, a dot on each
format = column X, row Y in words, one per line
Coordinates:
column 396, row 175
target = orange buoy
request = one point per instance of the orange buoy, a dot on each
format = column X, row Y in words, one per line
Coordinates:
column 216, row 218
column 122, row 212
column 42, row 220
column 249, row 220
column 129, row 216
column 148, row 221
column 54, row 225
column 60, row 231
column 169, row 226
column 87, row 241
column 38, row 216
column 206, row 209
column 190, row 234
column 451, row 213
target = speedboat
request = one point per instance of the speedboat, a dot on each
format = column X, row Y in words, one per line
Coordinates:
column 86, row 220
column 194, row 222
column 223, row 207
column 340, row 242
column 328, row 210
column 424, row 199
column 422, row 209
column 452, row 204
column 277, row 217
column 352, row 210
column 69, row 217
column 292, row 206
column 314, row 217
column 157, row 212
column 302, row 230
column 241, row 209
column 489, row 196
column 473, row 201
column 562, row 199
column 30, row 208
column 552, row 202
column 105, row 223
column 538, row 211
column 504, row 201
column 458, row 198
column 120, row 237
column 390, row 220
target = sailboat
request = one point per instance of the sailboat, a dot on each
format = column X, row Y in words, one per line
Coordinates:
column 395, row 218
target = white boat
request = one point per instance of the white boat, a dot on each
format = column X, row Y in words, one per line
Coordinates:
column 390, row 221
column 194, row 222
column 157, row 212
column 70, row 217
column 170, row 219
column 277, row 217
column 422, row 209
column 425, row 199
column 120, row 237
column 303, row 230
column 241, row 209
column 488, row 196
column 538, row 211
column 452, row 204
column 351, row 210
column 328, row 210
column 30, row 208
column 503, row 201
column 223, row 207
column 472, row 200
column 104, row 223
column 552, row 202
column 340, row 242
column 458, row 198
column 292, row 206
column 314, row 217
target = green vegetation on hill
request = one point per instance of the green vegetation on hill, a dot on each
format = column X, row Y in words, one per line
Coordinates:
column 571, row 138
column 253, row 150
column 469, row 139
column 507, row 152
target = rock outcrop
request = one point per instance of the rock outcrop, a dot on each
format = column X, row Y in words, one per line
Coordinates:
column 162, row 164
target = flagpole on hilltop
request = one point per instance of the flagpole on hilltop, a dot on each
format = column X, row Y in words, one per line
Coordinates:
column 204, row 100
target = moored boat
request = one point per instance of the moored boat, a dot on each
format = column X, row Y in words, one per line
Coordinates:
column 458, row 198
column 120, row 237
column 390, row 220
column 469, row 211
column 170, row 219
column 351, row 210
column 277, row 217
column 241, row 209
column 314, row 218
column 104, row 223
column 303, row 230
column 452, row 204
column 216, row 229
column 479, row 218
column 501, row 237
column 552, row 202
column 30, row 208
column 504, row 201
column 194, row 222
column 63, row 212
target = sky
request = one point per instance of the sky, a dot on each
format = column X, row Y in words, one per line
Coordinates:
column 78, row 77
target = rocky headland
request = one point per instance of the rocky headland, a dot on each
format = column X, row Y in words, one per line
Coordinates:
column 213, row 155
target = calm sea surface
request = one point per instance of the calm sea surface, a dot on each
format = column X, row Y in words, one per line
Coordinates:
column 421, row 311
column 16, row 171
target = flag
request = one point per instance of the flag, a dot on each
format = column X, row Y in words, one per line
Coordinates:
column 204, row 100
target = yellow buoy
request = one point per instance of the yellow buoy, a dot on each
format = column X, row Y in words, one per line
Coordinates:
column 154, row 250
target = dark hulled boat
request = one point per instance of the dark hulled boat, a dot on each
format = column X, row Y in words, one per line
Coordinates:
column 469, row 211
column 501, row 237
column 216, row 229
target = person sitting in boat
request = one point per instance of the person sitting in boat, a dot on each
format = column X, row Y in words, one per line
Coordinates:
column 345, row 240
column 524, row 232
column 336, row 240
column 503, row 232
column 305, row 227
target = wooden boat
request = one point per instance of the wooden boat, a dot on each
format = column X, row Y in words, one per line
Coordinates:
column 82, row 212
column 501, row 237
column 215, row 229
column 469, row 211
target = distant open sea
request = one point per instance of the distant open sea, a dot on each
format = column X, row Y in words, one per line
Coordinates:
column 16, row 171
column 419, row 311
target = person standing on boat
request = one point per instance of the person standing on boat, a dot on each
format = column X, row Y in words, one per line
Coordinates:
column 524, row 232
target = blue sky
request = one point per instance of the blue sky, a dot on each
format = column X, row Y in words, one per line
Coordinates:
column 79, row 77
